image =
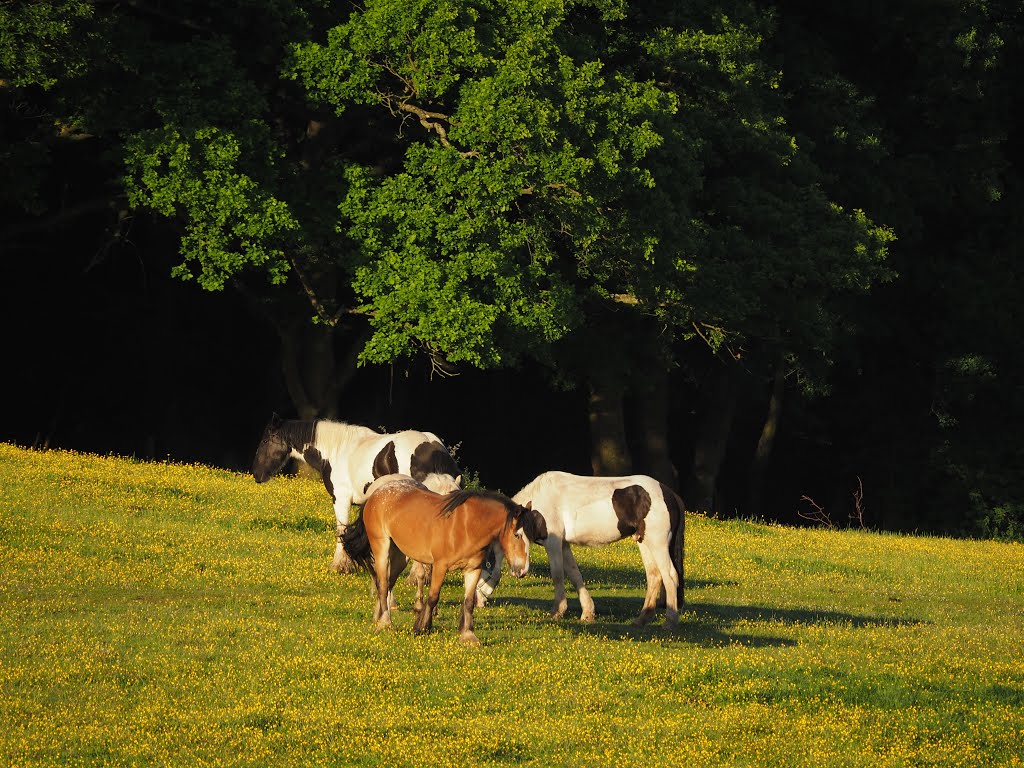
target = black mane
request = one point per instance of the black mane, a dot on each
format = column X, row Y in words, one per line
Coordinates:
column 298, row 433
column 456, row 499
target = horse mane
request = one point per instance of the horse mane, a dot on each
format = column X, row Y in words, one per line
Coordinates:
column 531, row 488
column 298, row 433
column 332, row 437
column 456, row 499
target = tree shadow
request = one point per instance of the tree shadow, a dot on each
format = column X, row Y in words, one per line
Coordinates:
column 700, row 623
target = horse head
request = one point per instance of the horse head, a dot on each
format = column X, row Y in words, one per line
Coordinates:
column 533, row 523
column 273, row 452
column 526, row 525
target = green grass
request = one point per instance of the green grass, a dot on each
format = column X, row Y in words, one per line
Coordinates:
column 159, row 614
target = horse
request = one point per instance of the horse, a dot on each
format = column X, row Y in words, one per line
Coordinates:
column 403, row 520
column 600, row 510
column 349, row 458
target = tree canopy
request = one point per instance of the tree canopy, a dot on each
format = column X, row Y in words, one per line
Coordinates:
column 622, row 192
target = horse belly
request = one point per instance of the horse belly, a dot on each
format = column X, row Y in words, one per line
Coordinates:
column 592, row 526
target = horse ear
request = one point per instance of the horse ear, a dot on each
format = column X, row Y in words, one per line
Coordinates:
column 275, row 420
column 529, row 504
column 458, row 481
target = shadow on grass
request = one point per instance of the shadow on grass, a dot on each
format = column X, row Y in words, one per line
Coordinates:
column 301, row 525
column 700, row 623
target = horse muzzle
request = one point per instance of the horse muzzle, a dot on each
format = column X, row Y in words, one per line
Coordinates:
column 519, row 571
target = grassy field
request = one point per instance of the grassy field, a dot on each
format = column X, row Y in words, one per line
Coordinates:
column 159, row 614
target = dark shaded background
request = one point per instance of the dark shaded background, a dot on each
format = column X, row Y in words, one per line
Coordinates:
column 109, row 354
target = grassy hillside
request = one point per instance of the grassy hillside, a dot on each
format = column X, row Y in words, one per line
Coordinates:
column 158, row 614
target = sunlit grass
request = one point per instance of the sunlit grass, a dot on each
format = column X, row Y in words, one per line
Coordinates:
column 159, row 614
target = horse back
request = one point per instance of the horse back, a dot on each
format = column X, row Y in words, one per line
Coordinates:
column 599, row 510
column 409, row 452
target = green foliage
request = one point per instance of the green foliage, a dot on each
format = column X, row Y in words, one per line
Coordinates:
column 38, row 46
column 231, row 220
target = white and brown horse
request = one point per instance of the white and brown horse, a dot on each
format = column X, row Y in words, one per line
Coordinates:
column 349, row 457
column 403, row 520
column 600, row 510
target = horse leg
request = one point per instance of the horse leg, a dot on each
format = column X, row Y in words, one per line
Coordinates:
column 572, row 570
column 555, row 547
column 342, row 563
column 398, row 561
column 653, row 586
column 425, row 619
column 669, row 579
column 419, row 575
column 382, row 578
column 489, row 578
column 466, row 634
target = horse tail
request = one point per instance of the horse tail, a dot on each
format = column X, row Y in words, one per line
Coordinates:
column 677, row 537
column 356, row 544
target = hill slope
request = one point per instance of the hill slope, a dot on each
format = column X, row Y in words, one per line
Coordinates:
column 158, row 614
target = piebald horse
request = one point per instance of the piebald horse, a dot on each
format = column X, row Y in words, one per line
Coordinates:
column 600, row 510
column 349, row 457
column 403, row 520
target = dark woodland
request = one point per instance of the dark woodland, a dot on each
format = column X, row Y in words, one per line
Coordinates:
column 765, row 252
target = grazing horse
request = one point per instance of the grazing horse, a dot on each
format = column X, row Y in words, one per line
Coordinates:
column 403, row 520
column 600, row 510
column 350, row 457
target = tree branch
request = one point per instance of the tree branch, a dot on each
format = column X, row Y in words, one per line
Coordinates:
column 428, row 121
column 321, row 311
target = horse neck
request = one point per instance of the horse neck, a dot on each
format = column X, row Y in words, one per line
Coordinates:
column 336, row 439
column 530, row 490
column 299, row 434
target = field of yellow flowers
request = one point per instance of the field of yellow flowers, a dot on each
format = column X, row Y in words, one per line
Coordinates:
column 162, row 614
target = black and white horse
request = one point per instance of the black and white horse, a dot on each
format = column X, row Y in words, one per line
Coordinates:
column 349, row 458
column 600, row 510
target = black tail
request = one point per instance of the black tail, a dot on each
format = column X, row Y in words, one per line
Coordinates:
column 677, row 540
column 356, row 544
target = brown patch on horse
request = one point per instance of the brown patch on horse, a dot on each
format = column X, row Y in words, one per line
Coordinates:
column 385, row 462
column 534, row 525
column 677, row 539
column 315, row 459
column 631, row 505
column 431, row 459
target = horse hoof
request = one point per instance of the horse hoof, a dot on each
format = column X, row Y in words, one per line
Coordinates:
column 587, row 618
column 470, row 639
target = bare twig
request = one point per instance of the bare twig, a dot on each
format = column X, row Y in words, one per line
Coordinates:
column 817, row 515
column 857, row 515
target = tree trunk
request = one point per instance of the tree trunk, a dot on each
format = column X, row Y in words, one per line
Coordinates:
column 712, row 440
column 762, row 455
column 307, row 360
column 652, row 421
column 609, row 453
column 314, row 375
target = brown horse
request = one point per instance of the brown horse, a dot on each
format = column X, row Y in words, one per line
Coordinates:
column 402, row 521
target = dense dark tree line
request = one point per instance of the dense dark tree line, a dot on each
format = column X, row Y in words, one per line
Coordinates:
column 762, row 251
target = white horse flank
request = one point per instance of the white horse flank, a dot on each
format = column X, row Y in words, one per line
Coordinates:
column 600, row 510
column 350, row 457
